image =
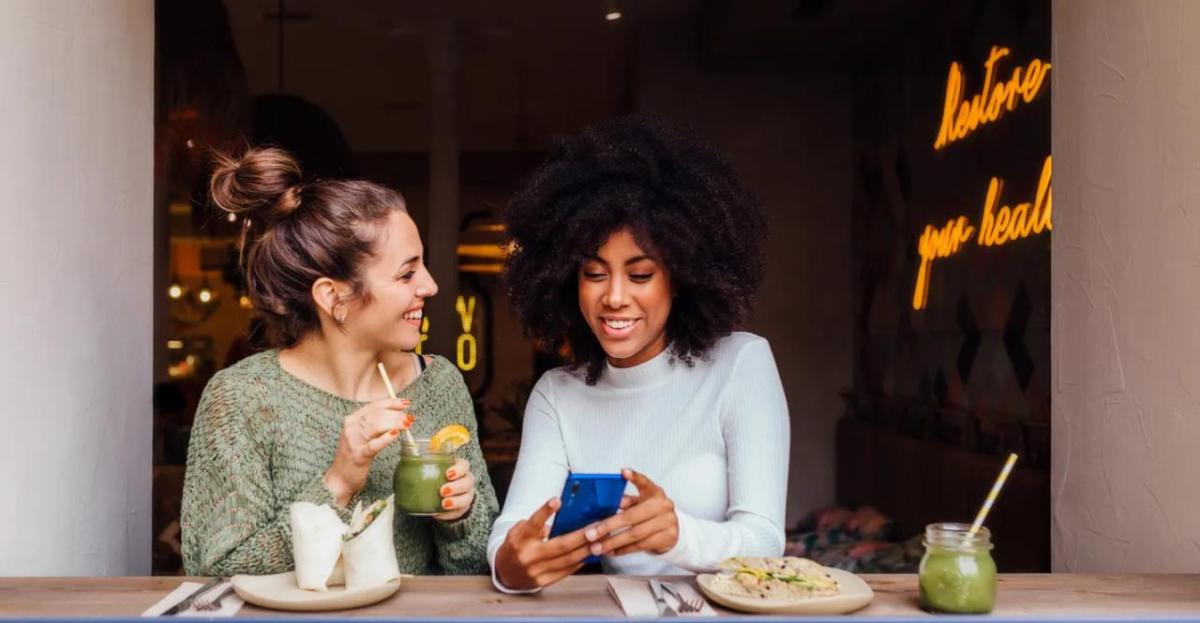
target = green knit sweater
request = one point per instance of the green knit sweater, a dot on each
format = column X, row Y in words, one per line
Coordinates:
column 264, row 439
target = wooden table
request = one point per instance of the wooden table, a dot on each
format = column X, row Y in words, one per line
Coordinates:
column 1022, row 597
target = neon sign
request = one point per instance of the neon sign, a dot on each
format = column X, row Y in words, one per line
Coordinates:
column 961, row 117
column 466, row 350
column 424, row 335
column 998, row 226
column 466, row 347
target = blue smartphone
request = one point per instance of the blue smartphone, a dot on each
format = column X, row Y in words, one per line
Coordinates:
column 586, row 499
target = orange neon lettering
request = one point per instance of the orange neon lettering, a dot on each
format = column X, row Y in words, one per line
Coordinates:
column 998, row 225
column 1020, row 214
column 1002, row 220
column 961, row 117
column 987, row 221
column 1041, row 201
column 934, row 244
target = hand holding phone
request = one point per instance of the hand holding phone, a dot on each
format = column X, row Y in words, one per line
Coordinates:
column 587, row 499
column 526, row 560
column 648, row 522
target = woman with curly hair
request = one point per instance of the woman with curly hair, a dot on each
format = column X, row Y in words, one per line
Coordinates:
column 637, row 249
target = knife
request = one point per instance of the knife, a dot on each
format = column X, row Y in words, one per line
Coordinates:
column 187, row 601
column 663, row 607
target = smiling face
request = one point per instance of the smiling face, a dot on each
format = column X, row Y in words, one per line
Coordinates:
column 625, row 297
column 398, row 283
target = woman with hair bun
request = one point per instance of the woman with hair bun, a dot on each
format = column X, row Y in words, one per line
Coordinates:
column 637, row 249
column 335, row 269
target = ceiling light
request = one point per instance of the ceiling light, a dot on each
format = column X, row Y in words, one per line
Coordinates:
column 613, row 14
column 175, row 290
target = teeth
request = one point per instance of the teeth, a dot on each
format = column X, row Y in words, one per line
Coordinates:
column 416, row 315
column 618, row 324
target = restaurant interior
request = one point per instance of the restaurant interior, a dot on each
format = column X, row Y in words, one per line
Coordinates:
column 915, row 356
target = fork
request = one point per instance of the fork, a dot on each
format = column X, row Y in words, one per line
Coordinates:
column 685, row 605
column 207, row 604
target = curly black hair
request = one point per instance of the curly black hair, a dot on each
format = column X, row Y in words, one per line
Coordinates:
column 683, row 205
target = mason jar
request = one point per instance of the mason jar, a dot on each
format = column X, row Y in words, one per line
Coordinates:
column 419, row 477
column 957, row 573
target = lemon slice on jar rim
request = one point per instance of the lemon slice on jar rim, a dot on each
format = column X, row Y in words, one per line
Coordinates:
column 449, row 438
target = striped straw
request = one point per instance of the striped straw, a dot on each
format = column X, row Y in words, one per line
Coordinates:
column 387, row 382
column 993, row 494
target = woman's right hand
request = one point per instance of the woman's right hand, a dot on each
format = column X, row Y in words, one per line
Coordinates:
column 365, row 433
column 527, row 560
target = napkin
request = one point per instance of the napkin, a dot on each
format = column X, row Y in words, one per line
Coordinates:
column 317, row 533
column 369, row 559
column 635, row 598
column 229, row 606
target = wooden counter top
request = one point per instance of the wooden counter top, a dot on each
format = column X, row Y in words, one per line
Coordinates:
column 1030, row 597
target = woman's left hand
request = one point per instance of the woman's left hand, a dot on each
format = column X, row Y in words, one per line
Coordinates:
column 458, row 493
column 646, row 523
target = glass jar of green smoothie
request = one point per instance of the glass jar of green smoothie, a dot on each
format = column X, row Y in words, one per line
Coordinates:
column 419, row 478
column 957, row 573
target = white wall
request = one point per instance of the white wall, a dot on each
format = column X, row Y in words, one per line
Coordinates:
column 1126, row 287
column 788, row 137
column 76, row 183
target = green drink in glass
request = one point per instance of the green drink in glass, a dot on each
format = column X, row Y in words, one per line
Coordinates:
column 420, row 476
column 957, row 573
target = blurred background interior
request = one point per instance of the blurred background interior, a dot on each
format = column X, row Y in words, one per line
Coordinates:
column 828, row 110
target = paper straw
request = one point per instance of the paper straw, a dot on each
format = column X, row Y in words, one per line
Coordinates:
column 387, row 382
column 993, row 494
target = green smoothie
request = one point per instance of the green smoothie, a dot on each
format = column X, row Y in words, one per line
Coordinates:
column 418, row 480
column 957, row 574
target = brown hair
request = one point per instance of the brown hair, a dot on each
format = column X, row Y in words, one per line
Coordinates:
column 296, row 233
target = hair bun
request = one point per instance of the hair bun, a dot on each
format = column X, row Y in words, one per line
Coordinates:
column 263, row 183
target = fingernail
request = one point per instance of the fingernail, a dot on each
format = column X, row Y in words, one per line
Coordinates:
column 445, row 491
column 395, row 431
column 450, row 474
column 447, row 504
column 596, row 549
column 590, row 534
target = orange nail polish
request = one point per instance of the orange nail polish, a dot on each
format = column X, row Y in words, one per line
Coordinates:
column 395, row 431
column 447, row 504
column 445, row 491
column 450, row 474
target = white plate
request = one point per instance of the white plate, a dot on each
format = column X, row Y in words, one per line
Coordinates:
column 854, row 594
column 280, row 592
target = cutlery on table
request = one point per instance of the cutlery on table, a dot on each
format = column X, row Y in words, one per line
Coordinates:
column 187, row 601
column 664, row 608
column 685, row 605
column 206, row 604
